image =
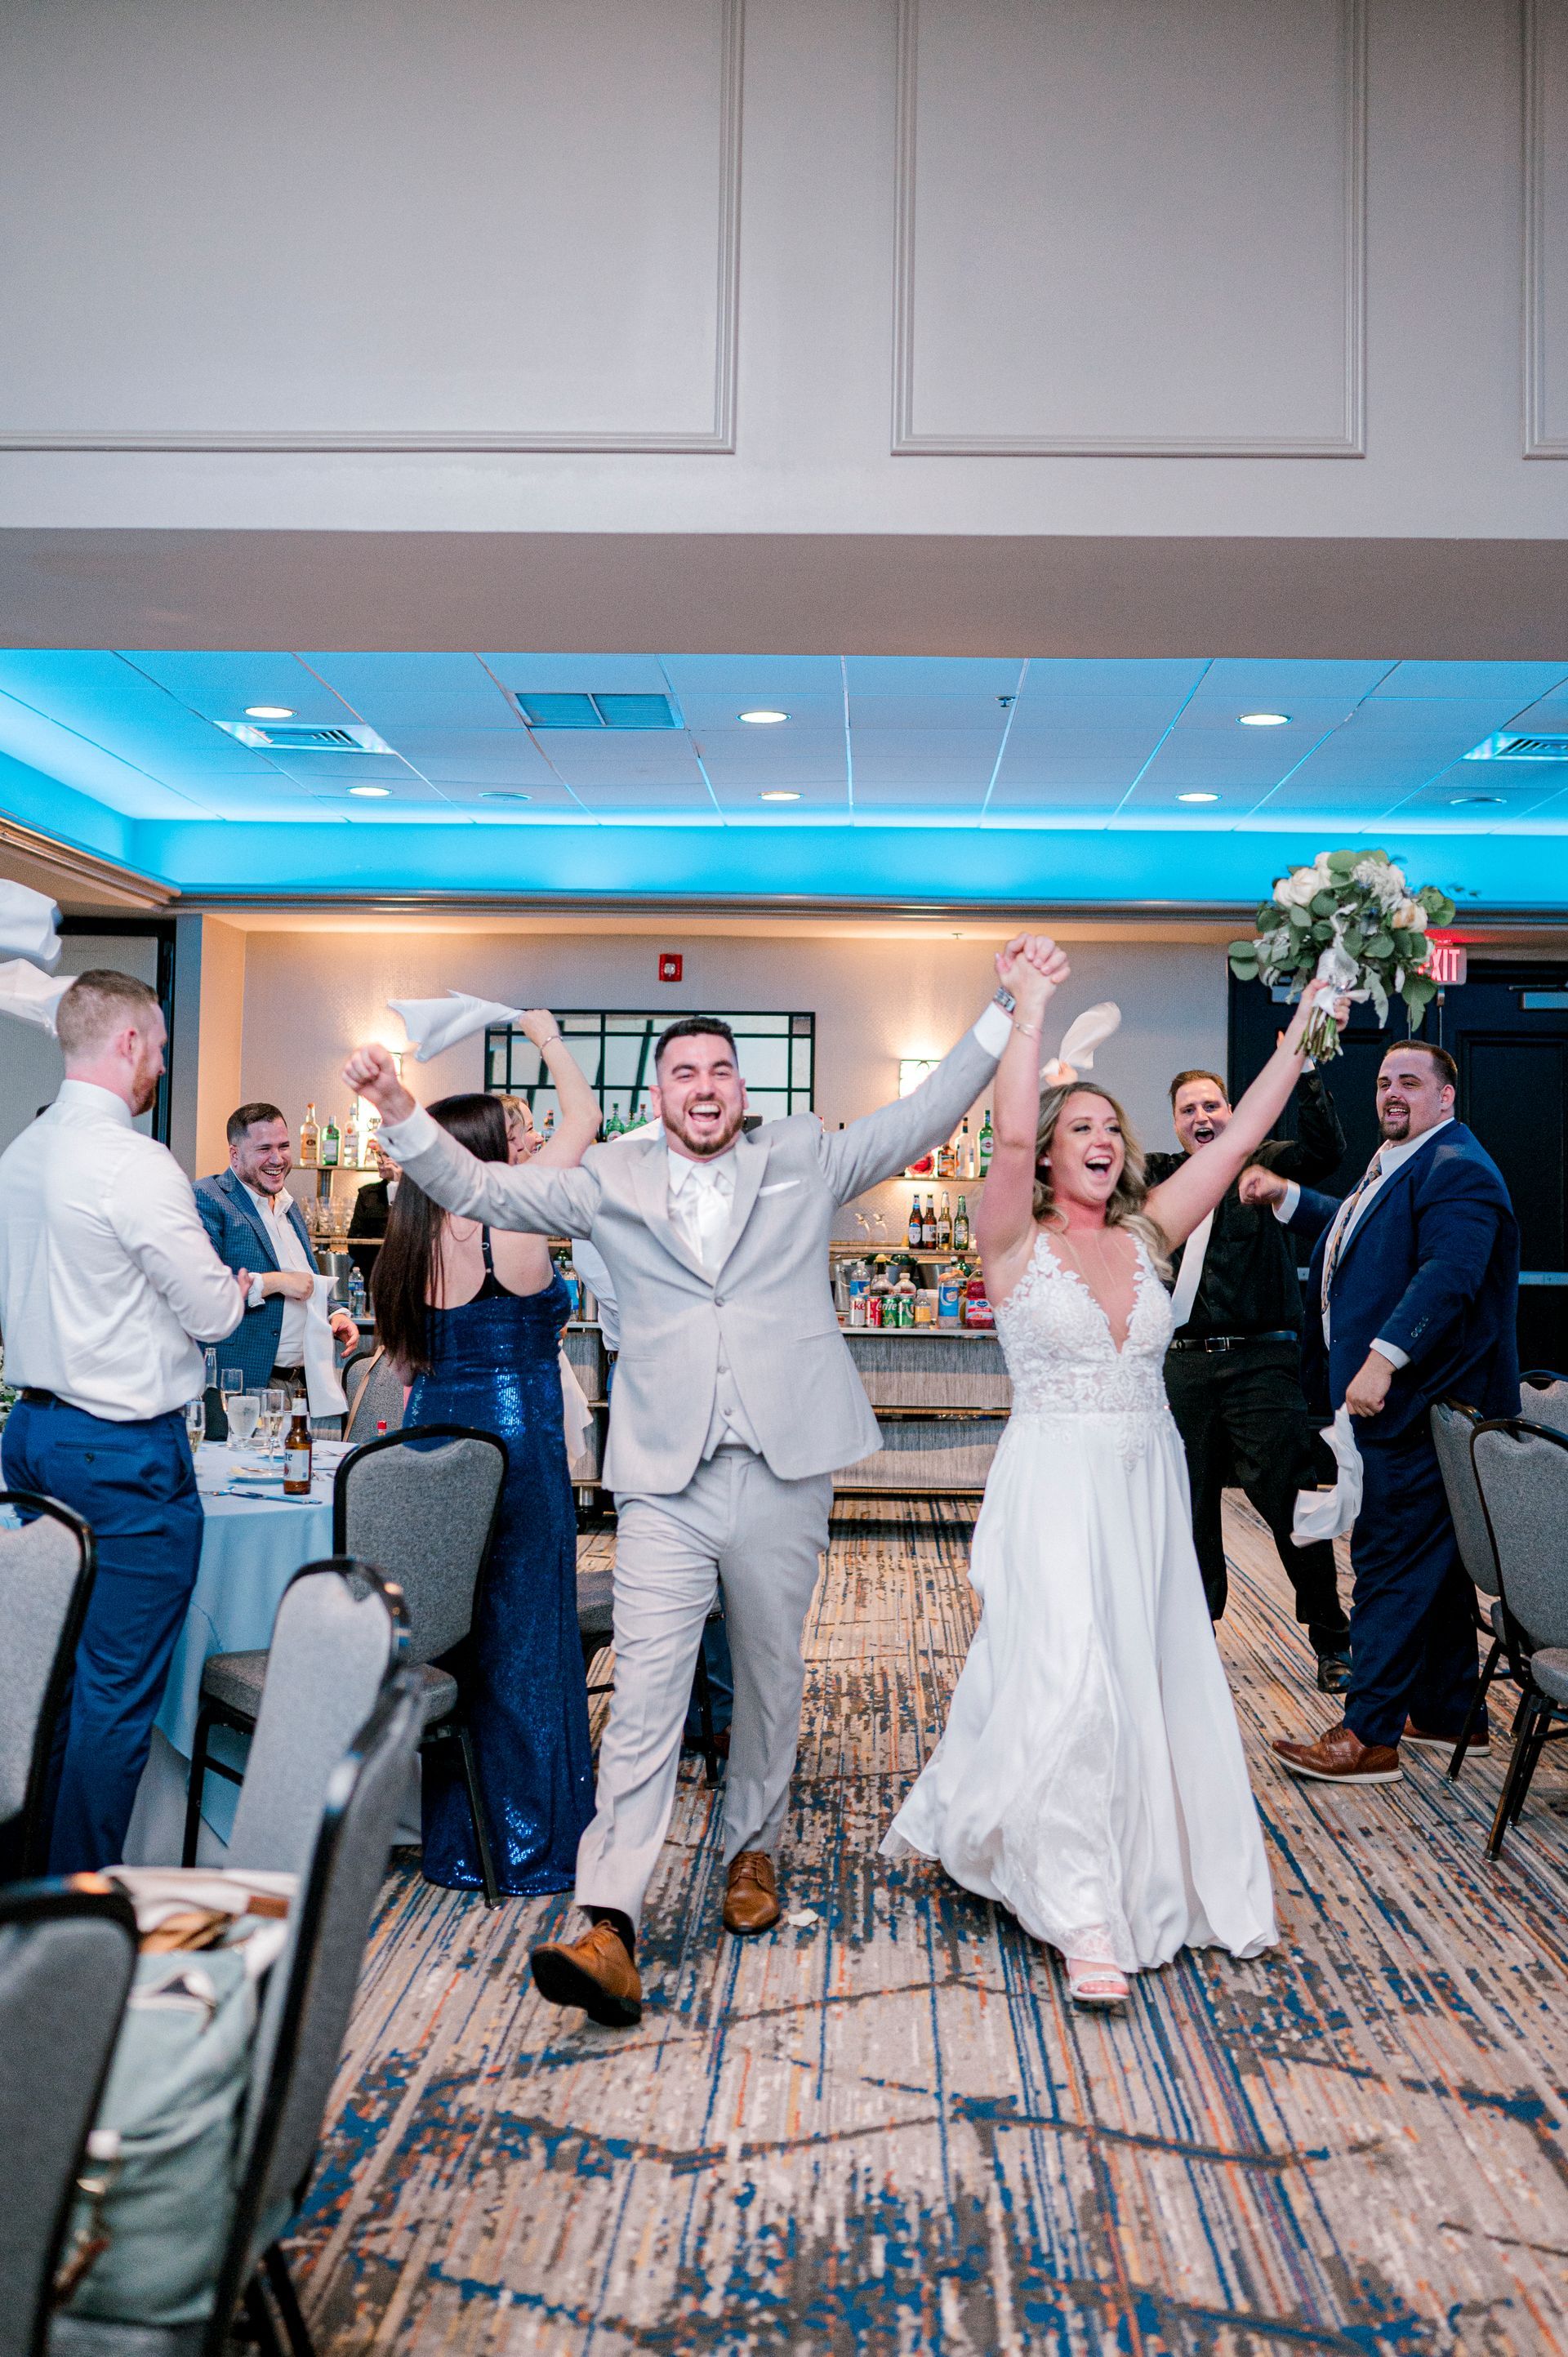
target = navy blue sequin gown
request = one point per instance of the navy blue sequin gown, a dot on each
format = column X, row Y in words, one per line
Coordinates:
column 494, row 1366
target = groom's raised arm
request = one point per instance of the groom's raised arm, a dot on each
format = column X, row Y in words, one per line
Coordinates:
column 537, row 1202
column 880, row 1145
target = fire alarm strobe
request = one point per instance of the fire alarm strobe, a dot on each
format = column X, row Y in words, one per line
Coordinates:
column 670, row 964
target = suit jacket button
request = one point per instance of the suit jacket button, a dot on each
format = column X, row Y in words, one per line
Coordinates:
column 718, row 1301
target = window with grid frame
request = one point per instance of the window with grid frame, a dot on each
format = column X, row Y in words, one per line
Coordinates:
column 614, row 1048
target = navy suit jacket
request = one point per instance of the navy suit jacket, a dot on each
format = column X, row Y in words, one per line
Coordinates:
column 1431, row 1266
column 240, row 1239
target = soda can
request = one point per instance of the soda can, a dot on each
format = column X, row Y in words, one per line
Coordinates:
column 874, row 1308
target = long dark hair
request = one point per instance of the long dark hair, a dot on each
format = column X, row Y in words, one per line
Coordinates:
column 406, row 1263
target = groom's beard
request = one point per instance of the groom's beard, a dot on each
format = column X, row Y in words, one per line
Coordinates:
column 1394, row 1123
column 706, row 1143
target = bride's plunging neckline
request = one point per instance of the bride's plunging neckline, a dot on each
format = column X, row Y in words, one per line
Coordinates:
column 1075, row 1276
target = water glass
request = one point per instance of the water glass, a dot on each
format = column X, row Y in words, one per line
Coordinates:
column 244, row 1411
column 230, row 1383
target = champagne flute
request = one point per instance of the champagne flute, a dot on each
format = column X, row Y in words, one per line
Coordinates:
column 274, row 1410
column 244, row 1410
column 196, row 1420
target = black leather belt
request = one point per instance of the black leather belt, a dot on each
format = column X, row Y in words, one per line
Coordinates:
column 35, row 1398
column 1236, row 1341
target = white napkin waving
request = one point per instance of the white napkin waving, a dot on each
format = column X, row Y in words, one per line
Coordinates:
column 1331, row 1513
column 435, row 1024
column 29, row 995
column 28, row 925
column 576, row 1414
column 323, row 1386
column 1085, row 1033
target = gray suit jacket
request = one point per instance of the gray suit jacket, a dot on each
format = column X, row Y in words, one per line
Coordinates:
column 768, row 1298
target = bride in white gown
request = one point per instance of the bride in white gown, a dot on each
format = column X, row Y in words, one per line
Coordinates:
column 1090, row 1778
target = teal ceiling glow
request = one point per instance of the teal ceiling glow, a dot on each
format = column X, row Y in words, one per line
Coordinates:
column 888, row 776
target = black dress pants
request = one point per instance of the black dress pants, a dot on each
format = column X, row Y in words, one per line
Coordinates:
column 1243, row 1420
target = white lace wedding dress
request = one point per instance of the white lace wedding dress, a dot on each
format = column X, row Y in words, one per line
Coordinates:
column 1091, row 1778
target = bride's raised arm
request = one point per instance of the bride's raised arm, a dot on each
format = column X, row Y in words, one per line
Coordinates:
column 1004, row 1217
column 1190, row 1194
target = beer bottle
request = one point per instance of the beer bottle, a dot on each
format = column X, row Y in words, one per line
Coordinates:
column 296, row 1455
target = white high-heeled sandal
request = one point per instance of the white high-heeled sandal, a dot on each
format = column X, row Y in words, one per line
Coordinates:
column 1089, row 1983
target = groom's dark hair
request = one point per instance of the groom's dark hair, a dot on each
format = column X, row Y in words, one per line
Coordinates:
column 691, row 1027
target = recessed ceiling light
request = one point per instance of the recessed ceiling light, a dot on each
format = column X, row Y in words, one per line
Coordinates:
column 779, row 794
column 497, row 795
column 1263, row 719
column 370, row 794
column 1197, row 798
column 764, row 719
column 269, row 711
column 1476, row 797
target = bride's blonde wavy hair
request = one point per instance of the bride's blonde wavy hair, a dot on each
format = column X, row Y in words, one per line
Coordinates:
column 1125, row 1208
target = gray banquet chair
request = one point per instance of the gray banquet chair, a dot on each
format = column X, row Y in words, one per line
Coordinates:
column 340, row 1630
column 423, row 1503
column 66, row 1961
column 374, row 1390
column 46, row 1571
column 1543, row 1399
column 304, row 2018
column 1453, row 1430
column 1523, row 1472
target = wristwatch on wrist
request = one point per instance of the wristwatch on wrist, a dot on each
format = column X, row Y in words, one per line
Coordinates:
column 1005, row 1001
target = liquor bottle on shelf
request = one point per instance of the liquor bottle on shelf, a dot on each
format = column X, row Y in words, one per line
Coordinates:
column 947, row 1159
column 960, row 1227
column 965, row 1151
column 309, row 1140
column 331, row 1144
column 549, row 1125
column 944, row 1226
column 986, row 1143
column 917, row 1226
column 929, row 1236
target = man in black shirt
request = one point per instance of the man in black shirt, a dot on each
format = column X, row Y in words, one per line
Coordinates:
column 1233, row 1375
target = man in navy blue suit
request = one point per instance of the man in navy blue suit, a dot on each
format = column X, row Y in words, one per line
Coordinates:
column 1412, row 1300
column 254, row 1222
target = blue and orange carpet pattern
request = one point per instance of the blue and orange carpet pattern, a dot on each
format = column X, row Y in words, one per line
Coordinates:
column 882, row 2130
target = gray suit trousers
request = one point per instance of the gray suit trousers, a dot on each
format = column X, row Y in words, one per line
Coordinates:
column 738, row 1524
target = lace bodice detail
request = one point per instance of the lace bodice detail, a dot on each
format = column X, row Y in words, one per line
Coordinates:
column 1058, row 1344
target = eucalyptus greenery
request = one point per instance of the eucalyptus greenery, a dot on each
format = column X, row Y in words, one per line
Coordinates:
column 1351, row 920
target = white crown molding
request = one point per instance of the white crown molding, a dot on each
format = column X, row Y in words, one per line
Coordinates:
column 1538, row 442
column 716, row 437
column 1350, row 443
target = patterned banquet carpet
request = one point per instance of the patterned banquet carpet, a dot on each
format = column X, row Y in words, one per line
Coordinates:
column 883, row 2130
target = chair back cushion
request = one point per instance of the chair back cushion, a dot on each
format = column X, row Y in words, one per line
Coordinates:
column 66, row 1960
column 375, row 1397
column 1549, row 1406
column 40, row 1566
column 1523, row 1479
column 423, row 1512
column 1452, row 1427
column 334, row 1641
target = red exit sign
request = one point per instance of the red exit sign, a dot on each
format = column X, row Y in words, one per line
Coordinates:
column 1446, row 962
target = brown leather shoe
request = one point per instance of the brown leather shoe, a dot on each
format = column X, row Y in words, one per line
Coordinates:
column 593, row 1972
column 751, row 1894
column 1341, row 1757
column 1480, row 1741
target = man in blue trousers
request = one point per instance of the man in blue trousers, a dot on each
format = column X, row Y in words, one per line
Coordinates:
column 1412, row 1300
column 108, row 1290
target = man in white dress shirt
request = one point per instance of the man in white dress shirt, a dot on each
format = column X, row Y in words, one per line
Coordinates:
column 254, row 1222
column 108, row 1290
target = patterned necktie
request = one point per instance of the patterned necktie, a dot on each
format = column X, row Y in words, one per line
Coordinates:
column 1337, row 1240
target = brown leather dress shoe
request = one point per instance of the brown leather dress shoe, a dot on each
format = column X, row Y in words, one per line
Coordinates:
column 593, row 1972
column 1341, row 1757
column 751, row 1894
column 1481, row 1741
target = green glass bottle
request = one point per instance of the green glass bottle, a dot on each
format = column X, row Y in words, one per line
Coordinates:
column 986, row 1143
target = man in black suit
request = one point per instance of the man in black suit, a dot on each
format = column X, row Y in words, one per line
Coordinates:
column 1415, row 1295
column 1233, row 1375
column 367, row 1221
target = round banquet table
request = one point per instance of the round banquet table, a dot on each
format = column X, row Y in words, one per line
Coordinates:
column 251, row 1548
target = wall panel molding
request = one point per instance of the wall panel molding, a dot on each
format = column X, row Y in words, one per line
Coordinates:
column 715, row 434
column 1538, row 441
column 908, row 440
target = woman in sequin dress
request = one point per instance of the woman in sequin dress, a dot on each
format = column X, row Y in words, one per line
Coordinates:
column 475, row 1320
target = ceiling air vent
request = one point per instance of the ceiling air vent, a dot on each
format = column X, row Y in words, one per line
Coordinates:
column 552, row 711
column 273, row 739
column 1505, row 746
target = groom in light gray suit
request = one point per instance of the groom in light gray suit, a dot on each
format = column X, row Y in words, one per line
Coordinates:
column 736, row 1402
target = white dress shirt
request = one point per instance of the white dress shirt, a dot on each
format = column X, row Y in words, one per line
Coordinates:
column 288, row 1252
column 1390, row 1158
column 108, row 1284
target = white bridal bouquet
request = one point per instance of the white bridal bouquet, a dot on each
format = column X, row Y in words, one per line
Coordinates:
column 1352, row 920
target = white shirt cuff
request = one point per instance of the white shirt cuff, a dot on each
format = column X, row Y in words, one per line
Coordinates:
column 1285, row 1210
column 1392, row 1351
column 993, row 1029
column 254, row 1298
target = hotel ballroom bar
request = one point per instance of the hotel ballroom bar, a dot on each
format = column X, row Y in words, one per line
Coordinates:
column 901, row 538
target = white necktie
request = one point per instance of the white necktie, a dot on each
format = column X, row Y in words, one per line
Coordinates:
column 702, row 1212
